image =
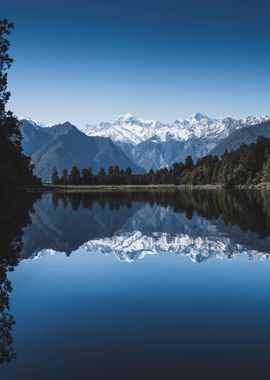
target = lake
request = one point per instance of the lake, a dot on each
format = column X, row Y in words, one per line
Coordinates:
column 135, row 285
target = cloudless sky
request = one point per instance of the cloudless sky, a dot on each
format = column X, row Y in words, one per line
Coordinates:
column 88, row 61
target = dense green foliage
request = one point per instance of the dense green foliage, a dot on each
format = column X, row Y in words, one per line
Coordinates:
column 247, row 165
column 15, row 167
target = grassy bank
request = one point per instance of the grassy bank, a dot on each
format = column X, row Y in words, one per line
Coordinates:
column 259, row 186
column 262, row 186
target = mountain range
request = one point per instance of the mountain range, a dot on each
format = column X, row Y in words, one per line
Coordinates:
column 136, row 143
column 63, row 146
column 128, row 129
column 152, row 144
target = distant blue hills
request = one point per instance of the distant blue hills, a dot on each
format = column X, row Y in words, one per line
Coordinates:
column 63, row 146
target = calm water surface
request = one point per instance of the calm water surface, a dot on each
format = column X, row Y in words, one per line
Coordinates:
column 135, row 286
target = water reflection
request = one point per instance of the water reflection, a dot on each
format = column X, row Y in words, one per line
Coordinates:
column 15, row 215
column 238, row 207
column 198, row 224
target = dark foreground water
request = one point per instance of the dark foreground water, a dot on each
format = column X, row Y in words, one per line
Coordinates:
column 135, row 286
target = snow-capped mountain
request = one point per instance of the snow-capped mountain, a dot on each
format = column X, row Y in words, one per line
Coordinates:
column 125, row 129
column 135, row 245
column 131, row 130
column 34, row 123
column 152, row 144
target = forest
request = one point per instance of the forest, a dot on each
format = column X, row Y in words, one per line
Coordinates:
column 247, row 165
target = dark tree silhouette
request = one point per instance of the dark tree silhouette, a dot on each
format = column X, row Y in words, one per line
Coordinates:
column 75, row 176
column 14, row 216
column 55, row 177
column 189, row 162
column 64, row 177
column 87, row 176
column 15, row 167
column 101, row 180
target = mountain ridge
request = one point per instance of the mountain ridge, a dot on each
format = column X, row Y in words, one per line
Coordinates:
column 153, row 145
column 245, row 135
column 64, row 146
column 130, row 129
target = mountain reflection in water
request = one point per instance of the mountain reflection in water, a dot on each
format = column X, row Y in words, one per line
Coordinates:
column 200, row 225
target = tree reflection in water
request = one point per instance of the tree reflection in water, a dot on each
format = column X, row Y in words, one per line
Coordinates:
column 14, row 216
column 249, row 210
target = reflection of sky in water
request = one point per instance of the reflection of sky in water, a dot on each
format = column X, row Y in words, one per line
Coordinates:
column 142, row 318
column 89, row 315
column 132, row 233
column 133, row 246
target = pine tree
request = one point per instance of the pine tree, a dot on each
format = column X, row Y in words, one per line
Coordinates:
column 102, row 172
column 266, row 170
column 111, row 171
column 75, row 176
column 15, row 168
column 116, row 170
column 101, row 176
column 189, row 163
column 55, row 177
column 128, row 176
column 87, row 176
column 5, row 64
column 128, row 172
column 64, row 177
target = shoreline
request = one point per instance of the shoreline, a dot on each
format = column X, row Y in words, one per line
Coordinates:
column 262, row 187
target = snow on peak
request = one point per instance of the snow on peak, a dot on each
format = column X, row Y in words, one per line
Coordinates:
column 36, row 124
column 125, row 128
column 126, row 118
column 130, row 120
column 198, row 116
column 135, row 245
column 253, row 120
column 131, row 130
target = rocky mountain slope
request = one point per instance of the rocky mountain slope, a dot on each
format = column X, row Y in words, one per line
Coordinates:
column 152, row 144
column 63, row 146
column 246, row 135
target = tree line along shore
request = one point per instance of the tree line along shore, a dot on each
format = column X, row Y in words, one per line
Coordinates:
column 247, row 166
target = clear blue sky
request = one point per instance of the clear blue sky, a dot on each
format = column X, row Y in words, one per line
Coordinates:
column 87, row 61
